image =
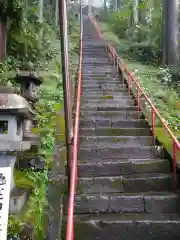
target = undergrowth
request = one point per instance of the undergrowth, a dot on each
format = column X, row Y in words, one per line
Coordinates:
column 155, row 81
column 26, row 49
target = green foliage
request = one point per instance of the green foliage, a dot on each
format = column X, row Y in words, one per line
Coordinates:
column 26, row 47
column 119, row 21
column 21, row 180
column 12, row 10
column 144, row 39
column 156, row 82
column 14, row 227
column 35, row 210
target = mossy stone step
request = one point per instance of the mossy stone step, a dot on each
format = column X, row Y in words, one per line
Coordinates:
column 125, row 152
column 127, row 226
column 112, row 122
column 117, row 167
column 125, row 113
column 163, row 202
column 103, row 91
column 134, row 183
column 103, row 95
column 115, row 141
column 94, row 98
column 101, row 131
column 108, row 106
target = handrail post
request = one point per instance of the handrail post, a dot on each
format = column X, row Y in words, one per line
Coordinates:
column 122, row 72
column 117, row 64
column 138, row 101
column 174, row 165
column 66, row 82
column 153, row 124
column 129, row 84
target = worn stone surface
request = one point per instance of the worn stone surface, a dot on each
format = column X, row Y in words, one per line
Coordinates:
column 112, row 114
column 124, row 167
column 100, row 185
column 115, row 131
column 118, row 152
column 128, row 227
column 115, row 141
column 164, row 203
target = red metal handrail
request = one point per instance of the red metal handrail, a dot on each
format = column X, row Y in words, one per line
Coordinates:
column 73, row 170
column 154, row 112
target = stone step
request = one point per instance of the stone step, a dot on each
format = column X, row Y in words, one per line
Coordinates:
column 127, row 226
column 93, row 65
column 123, row 114
column 119, row 97
column 101, row 77
column 134, row 183
column 108, row 100
column 94, row 122
column 103, row 85
column 103, row 91
column 92, row 50
column 104, row 94
column 103, row 56
column 95, row 81
column 115, row 141
column 95, row 75
column 88, row 47
column 96, row 64
column 116, row 167
column 101, row 81
column 125, row 152
column 94, row 60
column 100, row 58
column 115, row 132
column 108, row 106
column 156, row 202
column 100, row 70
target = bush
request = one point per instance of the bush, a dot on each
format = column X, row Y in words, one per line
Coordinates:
column 120, row 22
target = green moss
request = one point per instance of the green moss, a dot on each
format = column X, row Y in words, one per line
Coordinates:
column 14, row 226
column 21, row 179
column 107, row 97
column 117, row 183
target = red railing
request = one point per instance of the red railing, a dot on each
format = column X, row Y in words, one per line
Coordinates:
column 73, row 170
column 140, row 93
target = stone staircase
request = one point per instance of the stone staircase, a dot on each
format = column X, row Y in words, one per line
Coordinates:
column 124, row 181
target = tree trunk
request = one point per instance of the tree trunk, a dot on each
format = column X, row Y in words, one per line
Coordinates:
column 2, row 40
column 170, row 33
column 41, row 5
column 56, row 13
column 135, row 11
column 105, row 6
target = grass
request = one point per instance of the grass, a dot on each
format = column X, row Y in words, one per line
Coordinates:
column 21, row 179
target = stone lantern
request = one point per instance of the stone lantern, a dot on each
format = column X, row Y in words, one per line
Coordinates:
column 13, row 110
column 30, row 83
